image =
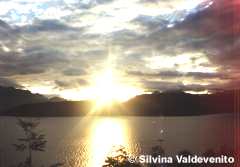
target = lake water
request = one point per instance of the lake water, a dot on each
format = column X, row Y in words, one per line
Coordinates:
column 86, row 141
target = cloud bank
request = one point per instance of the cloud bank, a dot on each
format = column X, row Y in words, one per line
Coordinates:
column 162, row 45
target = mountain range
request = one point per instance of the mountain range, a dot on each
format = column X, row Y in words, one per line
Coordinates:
column 17, row 102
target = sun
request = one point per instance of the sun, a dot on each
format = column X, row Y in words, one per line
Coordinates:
column 107, row 88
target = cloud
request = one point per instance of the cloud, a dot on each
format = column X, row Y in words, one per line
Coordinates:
column 7, row 33
column 177, row 74
column 151, row 23
column 149, row 1
column 9, row 83
column 70, row 84
column 88, row 4
column 161, row 42
column 198, row 31
column 74, row 72
column 213, row 31
column 34, row 61
column 48, row 25
column 165, row 86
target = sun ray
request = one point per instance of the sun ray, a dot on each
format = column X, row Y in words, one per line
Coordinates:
column 110, row 86
column 108, row 89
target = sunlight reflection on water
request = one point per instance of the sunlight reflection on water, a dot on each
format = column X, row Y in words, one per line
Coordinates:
column 106, row 135
column 87, row 141
column 96, row 138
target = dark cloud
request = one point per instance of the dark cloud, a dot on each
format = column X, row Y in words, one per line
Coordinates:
column 218, row 27
column 9, row 83
column 103, row 1
column 8, row 34
column 205, row 75
column 151, row 23
column 149, row 1
column 216, row 31
column 213, row 30
column 91, row 3
column 94, row 53
column 165, row 86
column 176, row 74
column 41, row 54
column 4, row 25
column 74, row 72
column 63, row 84
column 48, row 26
column 127, row 38
column 70, row 84
column 32, row 62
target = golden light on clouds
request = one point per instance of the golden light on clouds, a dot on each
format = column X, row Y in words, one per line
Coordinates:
column 42, row 89
column 199, row 92
column 188, row 62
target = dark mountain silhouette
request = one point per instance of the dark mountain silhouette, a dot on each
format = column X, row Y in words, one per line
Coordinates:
column 51, row 109
column 11, row 97
column 177, row 103
column 174, row 103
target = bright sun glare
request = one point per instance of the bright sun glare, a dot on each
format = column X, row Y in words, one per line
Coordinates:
column 107, row 88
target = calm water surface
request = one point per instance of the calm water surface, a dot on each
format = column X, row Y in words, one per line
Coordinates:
column 87, row 141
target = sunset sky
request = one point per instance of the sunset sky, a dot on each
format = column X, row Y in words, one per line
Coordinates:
column 79, row 48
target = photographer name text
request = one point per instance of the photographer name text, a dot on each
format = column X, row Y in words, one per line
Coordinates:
column 149, row 159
